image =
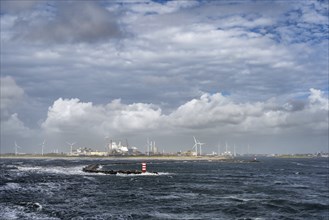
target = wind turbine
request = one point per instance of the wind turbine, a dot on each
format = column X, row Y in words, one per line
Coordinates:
column 71, row 145
column 197, row 143
column 16, row 148
column 200, row 146
column 43, row 146
column 195, row 146
column 148, row 146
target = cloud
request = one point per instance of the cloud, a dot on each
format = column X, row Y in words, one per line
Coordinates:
column 150, row 7
column 317, row 100
column 11, row 126
column 184, row 57
column 211, row 113
column 239, row 21
column 15, row 6
column 10, row 93
column 209, row 110
column 159, row 57
column 216, row 111
column 70, row 114
column 13, row 129
column 69, row 22
column 315, row 12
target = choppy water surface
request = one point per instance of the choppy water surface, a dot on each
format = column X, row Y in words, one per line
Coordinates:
column 271, row 189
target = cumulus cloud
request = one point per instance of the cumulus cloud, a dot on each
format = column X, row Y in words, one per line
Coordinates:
column 70, row 114
column 209, row 115
column 262, row 117
column 214, row 113
column 209, row 110
column 317, row 100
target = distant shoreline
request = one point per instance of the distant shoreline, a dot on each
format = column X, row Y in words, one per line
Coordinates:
column 150, row 158
column 178, row 158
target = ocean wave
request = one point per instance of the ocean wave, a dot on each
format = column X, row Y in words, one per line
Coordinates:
column 10, row 186
column 187, row 191
column 77, row 170
column 21, row 212
column 144, row 174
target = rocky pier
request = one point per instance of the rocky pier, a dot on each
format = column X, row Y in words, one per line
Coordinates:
column 94, row 168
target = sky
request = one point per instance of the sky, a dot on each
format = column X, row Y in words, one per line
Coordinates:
column 237, row 72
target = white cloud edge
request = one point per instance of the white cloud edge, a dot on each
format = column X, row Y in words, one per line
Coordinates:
column 207, row 112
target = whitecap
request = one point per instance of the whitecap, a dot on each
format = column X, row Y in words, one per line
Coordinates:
column 242, row 199
column 32, row 205
column 89, row 178
column 10, row 186
column 143, row 174
column 278, row 183
column 20, row 212
column 55, row 170
column 300, row 186
column 77, row 170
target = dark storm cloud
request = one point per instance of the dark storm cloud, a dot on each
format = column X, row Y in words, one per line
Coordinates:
column 69, row 22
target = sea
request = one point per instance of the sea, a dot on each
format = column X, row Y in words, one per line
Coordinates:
column 274, row 188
